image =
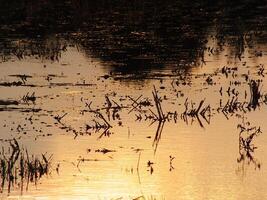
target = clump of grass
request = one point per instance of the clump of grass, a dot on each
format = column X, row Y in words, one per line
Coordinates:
column 255, row 94
column 18, row 168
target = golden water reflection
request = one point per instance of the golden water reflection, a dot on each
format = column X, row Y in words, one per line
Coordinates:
column 204, row 164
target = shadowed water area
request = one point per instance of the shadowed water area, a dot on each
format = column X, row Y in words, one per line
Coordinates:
column 139, row 100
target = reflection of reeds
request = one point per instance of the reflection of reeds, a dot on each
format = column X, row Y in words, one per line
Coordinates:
column 160, row 117
column 100, row 126
column 29, row 98
column 246, row 146
column 158, row 135
column 19, row 168
column 194, row 113
column 233, row 105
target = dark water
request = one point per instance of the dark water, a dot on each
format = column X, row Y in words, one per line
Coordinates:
column 132, row 35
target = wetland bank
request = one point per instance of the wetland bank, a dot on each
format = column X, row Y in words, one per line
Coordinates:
column 133, row 100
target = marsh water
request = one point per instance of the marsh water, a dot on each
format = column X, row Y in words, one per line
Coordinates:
column 141, row 100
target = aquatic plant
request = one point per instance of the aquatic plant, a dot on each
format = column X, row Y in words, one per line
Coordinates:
column 255, row 94
column 18, row 168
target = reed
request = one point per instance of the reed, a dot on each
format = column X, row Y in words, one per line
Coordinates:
column 18, row 168
column 255, row 94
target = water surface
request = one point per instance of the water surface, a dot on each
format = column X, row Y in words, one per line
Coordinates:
column 83, row 83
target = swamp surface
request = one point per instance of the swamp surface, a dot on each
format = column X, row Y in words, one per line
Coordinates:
column 140, row 100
